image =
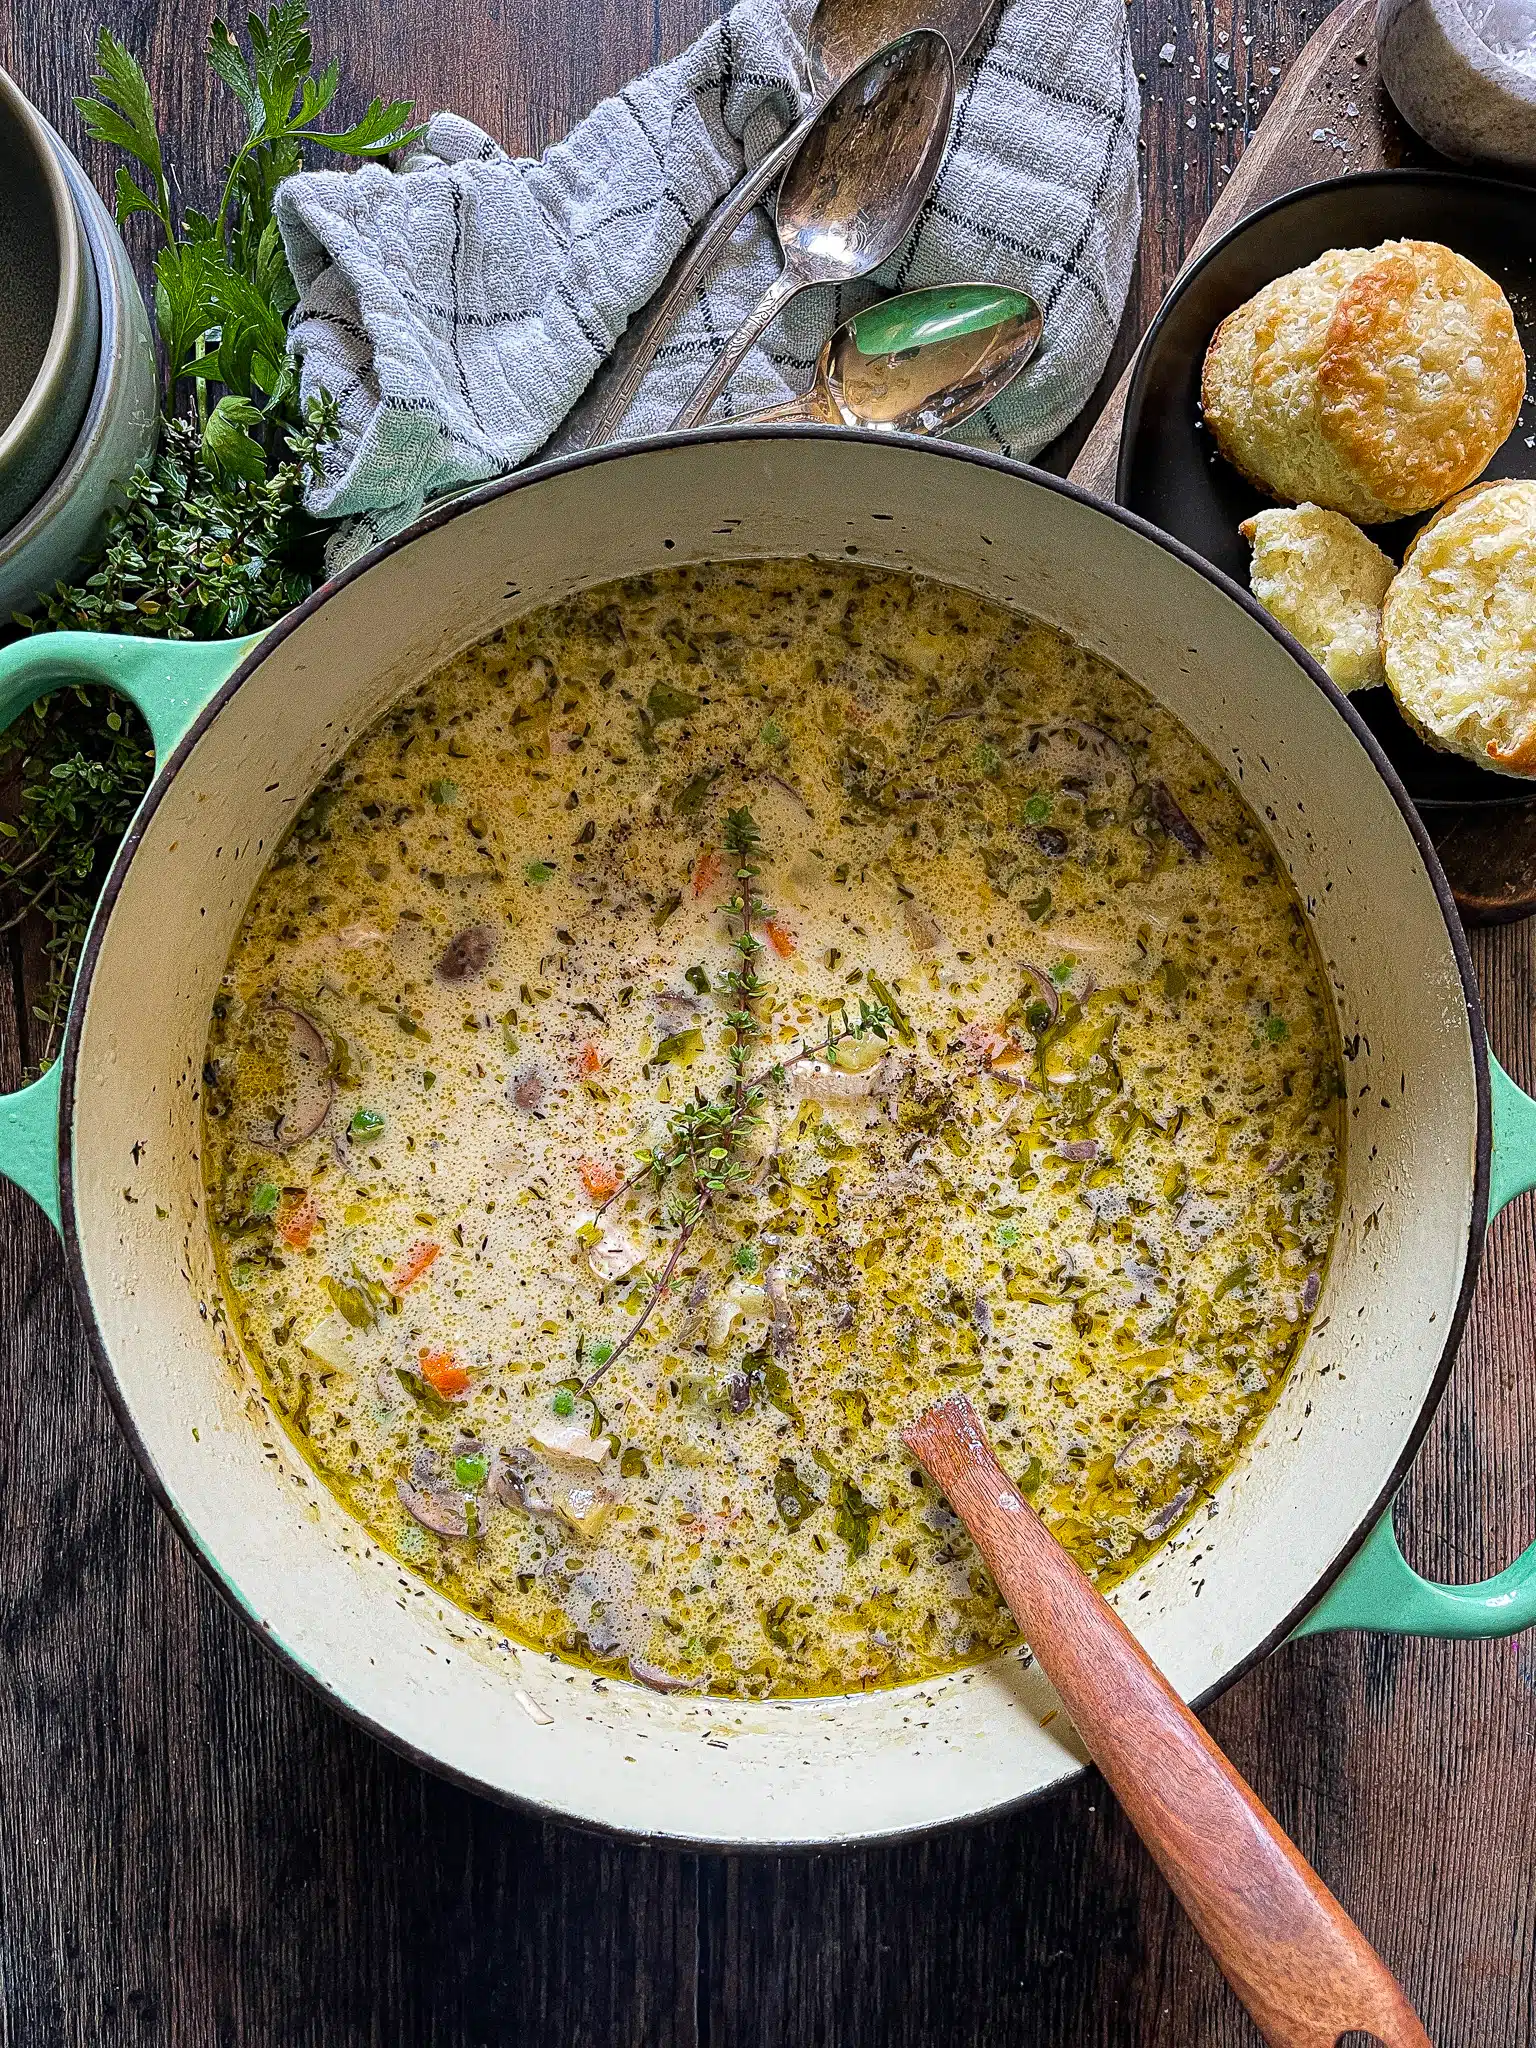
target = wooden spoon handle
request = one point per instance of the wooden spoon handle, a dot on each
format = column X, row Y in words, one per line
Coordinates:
column 1287, row 1947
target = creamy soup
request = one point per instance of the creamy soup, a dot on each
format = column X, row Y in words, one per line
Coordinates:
column 709, row 1021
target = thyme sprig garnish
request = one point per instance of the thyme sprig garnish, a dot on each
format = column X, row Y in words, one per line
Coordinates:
column 704, row 1141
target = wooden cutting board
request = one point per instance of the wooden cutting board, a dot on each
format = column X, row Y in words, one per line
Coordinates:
column 1332, row 115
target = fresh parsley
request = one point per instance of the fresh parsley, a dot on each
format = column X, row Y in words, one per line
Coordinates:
column 210, row 539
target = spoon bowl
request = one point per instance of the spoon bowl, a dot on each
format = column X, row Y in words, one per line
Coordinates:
column 853, row 194
column 843, row 34
column 921, row 363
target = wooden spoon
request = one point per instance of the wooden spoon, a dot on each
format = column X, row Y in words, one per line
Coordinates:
column 1289, row 1950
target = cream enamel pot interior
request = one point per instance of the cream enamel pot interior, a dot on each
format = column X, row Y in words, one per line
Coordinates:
column 108, row 1140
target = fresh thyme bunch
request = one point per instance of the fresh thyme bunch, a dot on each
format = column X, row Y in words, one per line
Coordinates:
column 210, row 538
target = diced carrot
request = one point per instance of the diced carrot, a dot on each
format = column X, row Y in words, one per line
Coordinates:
column 780, row 937
column 598, row 1178
column 440, row 1372
column 707, row 870
column 297, row 1219
column 589, row 1062
column 414, row 1264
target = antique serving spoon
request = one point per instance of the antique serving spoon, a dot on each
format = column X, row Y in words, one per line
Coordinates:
column 850, row 198
column 843, row 35
column 1289, row 1950
column 920, row 363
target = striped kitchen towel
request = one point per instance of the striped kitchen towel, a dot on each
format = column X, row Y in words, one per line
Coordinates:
column 458, row 308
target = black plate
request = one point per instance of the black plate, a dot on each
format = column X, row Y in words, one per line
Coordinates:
column 1169, row 469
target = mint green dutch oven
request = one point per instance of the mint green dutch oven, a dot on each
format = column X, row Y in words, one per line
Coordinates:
column 1298, row 1538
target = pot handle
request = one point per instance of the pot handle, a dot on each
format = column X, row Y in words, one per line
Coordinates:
column 1378, row 1589
column 169, row 681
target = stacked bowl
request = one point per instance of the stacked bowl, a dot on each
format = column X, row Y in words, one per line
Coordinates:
column 77, row 359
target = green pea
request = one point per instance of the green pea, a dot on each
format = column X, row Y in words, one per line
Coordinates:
column 565, row 1402
column 264, row 1198
column 470, row 1470
column 366, row 1123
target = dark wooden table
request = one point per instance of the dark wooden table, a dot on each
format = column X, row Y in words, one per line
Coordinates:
column 194, row 1851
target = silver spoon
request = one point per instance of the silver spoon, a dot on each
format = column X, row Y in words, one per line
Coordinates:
column 920, row 363
column 843, row 34
column 850, row 198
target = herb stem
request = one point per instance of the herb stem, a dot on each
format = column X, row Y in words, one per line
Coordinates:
column 657, row 1292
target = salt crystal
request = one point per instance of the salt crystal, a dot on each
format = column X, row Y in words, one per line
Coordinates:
column 1353, row 111
column 1190, row 122
column 1319, row 135
column 1167, row 53
column 1222, row 60
column 1508, row 27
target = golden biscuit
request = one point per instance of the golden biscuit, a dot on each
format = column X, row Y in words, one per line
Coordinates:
column 1319, row 575
column 1373, row 382
column 1458, row 628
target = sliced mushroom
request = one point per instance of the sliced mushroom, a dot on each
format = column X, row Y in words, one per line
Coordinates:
column 693, row 1313
column 310, row 1084
column 1064, row 751
column 1165, row 1517
column 1048, row 991
column 782, row 1332
column 658, row 1680
column 443, row 1513
column 675, row 1009
column 467, row 954
column 1173, row 820
column 512, row 1481
column 526, row 1090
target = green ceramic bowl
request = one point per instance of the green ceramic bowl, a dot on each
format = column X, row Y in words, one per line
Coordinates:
column 50, row 316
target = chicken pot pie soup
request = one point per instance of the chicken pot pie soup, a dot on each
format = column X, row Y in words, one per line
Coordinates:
column 709, row 1021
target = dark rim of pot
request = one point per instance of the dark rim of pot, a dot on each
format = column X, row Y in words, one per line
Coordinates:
column 618, row 452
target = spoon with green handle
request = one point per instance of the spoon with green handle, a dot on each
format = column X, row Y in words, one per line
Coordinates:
column 843, row 34
column 920, row 363
column 851, row 197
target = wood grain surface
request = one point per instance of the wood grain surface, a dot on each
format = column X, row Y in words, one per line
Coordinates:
column 195, row 1851
column 1330, row 115
column 1294, row 1957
